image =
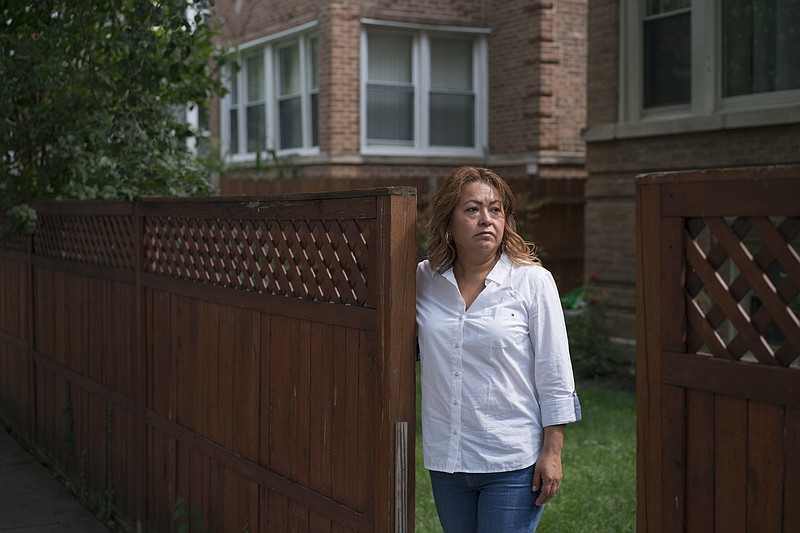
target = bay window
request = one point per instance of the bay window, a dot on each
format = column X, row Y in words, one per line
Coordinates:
column 272, row 98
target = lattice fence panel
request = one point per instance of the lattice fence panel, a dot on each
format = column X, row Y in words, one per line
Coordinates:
column 98, row 240
column 743, row 288
column 317, row 260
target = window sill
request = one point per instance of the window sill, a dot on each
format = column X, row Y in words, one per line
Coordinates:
column 679, row 125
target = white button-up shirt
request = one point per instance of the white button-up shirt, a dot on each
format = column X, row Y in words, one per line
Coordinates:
column 495, row 374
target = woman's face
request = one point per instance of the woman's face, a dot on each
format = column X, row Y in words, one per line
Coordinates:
column 478, row 220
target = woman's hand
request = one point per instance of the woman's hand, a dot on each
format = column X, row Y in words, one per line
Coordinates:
column 547, row 474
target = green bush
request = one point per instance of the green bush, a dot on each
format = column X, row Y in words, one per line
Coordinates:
column 92, row 98
column 593, row 354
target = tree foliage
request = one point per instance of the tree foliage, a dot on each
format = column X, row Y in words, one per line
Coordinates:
column 92, row 98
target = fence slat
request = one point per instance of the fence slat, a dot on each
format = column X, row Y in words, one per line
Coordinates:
column 791, row 489
column 730, row 464
column 765, row 467
column 700, row 461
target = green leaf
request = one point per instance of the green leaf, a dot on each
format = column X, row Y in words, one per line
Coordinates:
column 87, row 104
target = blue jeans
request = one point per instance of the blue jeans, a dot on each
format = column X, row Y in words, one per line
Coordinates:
column 501, row 502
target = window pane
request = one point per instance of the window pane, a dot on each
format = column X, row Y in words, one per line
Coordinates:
column 289, row 57
column 451, row 64
column 760, row 46
column 390, row 114
column 667, row 60
column 202, row 118
column 313, row 58
column 389, row 58
column 255, row 78
column 291, row 126
column 256, row 129
column 314, row 133
column 233, row 119
column 234, row 79
column 452, row 120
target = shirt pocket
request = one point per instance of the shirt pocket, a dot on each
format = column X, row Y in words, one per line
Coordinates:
column 502, row 325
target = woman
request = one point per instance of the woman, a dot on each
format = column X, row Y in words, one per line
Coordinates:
column 497, row 383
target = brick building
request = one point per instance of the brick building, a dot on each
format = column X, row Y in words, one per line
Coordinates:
column 685, row 84
column 365, row 93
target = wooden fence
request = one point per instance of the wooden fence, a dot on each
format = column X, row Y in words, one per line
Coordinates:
column 252, row 358
column 718, row 361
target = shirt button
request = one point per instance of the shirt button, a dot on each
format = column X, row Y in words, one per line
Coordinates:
column 456, row 374
column 455, row 402
column 455, row 432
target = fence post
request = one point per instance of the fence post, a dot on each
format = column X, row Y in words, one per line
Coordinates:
column 139, row 380
column 33, row 429
column 394, row 282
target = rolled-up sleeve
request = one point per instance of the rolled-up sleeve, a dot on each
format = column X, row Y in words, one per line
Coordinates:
column 554, row 377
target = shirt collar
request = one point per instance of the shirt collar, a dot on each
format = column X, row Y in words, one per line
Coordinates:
column 498, row 273
column 500, row 270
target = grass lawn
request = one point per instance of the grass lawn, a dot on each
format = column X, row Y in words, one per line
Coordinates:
column 598, row 493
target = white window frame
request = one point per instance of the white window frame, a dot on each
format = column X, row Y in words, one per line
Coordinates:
column 421, row 35
column 268, row 47
column 707, row 108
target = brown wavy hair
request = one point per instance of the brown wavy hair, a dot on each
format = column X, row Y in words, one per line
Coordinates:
column 441, row 251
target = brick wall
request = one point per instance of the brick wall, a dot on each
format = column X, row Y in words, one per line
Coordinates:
column 602, row 66
column 537, row 60
column 247, row 20
column 339, row 69
column 569, row 81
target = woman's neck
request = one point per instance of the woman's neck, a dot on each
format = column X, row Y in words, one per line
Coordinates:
column 471, row 277
column 469, row 270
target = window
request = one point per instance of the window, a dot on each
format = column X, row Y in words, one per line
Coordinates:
column 697, row 57
column 760, row 46
column 452, row 95
column 423, row 91
column 295, row 88
column 255, row 116
column 667, row 53
column 272, row 98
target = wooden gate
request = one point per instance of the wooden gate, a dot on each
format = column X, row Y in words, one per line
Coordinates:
column 718, row 363
column 248, row 358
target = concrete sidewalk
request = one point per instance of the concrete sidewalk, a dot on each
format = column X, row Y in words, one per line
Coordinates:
column 32, row 500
